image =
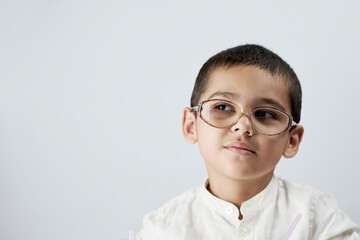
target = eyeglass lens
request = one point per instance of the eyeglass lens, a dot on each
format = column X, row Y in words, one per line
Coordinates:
column 221, row 114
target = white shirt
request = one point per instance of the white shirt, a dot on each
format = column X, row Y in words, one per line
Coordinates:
column 197, row 214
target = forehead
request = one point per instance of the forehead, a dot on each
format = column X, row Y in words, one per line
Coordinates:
column 248, row 85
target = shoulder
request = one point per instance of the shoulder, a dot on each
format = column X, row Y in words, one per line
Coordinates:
column 294, row 187
column 179, row 203
column 325, row 218
column 155, row 223
column 303, row 194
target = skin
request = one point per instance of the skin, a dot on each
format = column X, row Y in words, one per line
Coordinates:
column 236, row 175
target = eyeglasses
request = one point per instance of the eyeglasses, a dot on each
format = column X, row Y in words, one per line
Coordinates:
column 221, row 113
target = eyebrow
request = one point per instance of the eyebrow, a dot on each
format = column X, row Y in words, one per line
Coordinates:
column 231, row 95
column 228, row 95
column 271, row 102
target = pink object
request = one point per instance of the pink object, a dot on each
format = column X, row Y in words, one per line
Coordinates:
column 292, row 227
column 131, row 235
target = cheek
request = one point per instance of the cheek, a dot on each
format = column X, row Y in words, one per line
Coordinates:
column 273, row 147
column 209, row 139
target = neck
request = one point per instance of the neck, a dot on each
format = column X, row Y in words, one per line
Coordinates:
column 237, row 191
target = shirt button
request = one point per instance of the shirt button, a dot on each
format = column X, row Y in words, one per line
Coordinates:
column 245, row 231
column 229, row 210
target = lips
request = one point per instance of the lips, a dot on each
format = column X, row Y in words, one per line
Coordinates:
column 240, row 148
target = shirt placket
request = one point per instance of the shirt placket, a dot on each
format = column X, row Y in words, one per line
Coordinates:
column 245, row 230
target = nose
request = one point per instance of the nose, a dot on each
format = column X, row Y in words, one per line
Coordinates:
column 243, row 125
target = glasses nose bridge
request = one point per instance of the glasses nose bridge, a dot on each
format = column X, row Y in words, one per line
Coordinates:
column 243, row 111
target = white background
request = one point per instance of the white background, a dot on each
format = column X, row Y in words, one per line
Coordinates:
column 91, row 96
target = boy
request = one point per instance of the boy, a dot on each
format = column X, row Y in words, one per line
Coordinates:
column 244, row 115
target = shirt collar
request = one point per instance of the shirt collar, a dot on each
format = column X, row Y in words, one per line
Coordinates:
column 249, row 209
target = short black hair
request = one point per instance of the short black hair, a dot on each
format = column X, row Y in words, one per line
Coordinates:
column 251, row 55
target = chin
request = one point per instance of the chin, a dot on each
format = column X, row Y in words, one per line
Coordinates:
column 243, row 175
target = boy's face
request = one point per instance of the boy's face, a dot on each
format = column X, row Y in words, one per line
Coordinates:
column 238, row 151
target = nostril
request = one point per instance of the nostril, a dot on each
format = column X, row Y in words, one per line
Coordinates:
column 237, row 129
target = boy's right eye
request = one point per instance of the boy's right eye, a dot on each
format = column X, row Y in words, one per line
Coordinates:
column 223, row 107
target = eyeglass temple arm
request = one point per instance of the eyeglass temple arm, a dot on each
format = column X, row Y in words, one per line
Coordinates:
column 196, row 108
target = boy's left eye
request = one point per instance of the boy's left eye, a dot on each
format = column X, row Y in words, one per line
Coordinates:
column 264, row 113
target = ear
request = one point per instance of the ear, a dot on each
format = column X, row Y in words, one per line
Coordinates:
column 188, row 125
column 294, row 140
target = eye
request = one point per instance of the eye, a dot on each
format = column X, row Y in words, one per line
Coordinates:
column 265, row 114
column 223, row 107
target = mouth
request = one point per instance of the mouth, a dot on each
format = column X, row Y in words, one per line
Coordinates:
column 240, row 148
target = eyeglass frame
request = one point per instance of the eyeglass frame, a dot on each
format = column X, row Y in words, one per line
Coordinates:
column 199, row 107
